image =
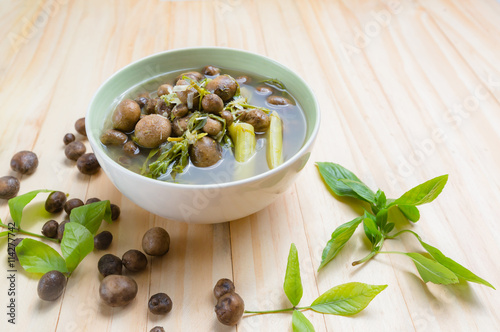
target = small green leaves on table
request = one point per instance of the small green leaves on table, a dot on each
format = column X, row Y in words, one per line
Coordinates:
column 38, row 257
column 423, row 193
column 77, row 242
column 378, row 227
column 293, row 284
column 17, row 204
column 344, row 183
column 432, row 271
column 347, row 299
column 339, row 238
column 91, row 215
column 300, row 323
column 344, row 300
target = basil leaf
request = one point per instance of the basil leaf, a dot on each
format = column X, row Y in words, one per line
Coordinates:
column 380, row 199
column 423, row 193
column 431, row 270
column 389, row 227
column 333, row 173
column 410, row 212
column 347, row 299
column 300, row 323
column 17, row 204
column 77, row 242
column 91, row 215
column 381, row 219
column 339, row 238
column 371, row 230
column 38, row 257
column 293, row 283
column 453, row 266
column 361, row 189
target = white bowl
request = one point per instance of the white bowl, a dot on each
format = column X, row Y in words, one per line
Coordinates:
column 212, row 203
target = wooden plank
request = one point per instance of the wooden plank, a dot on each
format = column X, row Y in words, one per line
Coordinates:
column 408, row 91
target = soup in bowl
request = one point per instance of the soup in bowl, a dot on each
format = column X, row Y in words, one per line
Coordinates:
column 203, row 135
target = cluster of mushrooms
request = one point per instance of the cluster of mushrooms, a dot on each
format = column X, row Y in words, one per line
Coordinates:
column 189, row 120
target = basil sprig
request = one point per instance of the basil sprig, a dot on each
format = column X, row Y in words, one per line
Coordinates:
column 77, row 241
column 378, row 226
column 343, row 300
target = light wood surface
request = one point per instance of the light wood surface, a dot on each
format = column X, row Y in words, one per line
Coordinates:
column 409, row 90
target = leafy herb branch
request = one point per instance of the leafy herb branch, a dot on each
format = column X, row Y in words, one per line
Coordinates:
column 438, row 269
column 76, row 243
column 343, row 300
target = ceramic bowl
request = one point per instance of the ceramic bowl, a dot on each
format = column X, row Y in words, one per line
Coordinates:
column 218, row 202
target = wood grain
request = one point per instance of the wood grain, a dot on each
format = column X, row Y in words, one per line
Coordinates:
column 408, row 90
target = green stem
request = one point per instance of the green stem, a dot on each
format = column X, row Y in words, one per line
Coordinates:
column 401, row 232
column 21, row 231
column 365, row 259
column 275, row 311
column 392, row 252
column 371, row 254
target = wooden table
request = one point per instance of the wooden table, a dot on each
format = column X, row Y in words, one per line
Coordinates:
column 409, row 90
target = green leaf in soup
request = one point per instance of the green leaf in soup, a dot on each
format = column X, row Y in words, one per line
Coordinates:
column 361, row 189
column 77, row 242
column 371, row 230
column 300, row 323
column 339, row 238
column 453, row 266
column 333, row 173
column 432, row 271
column 410, row 212
column 38, row 257
column 423, row 193
column 293, row 283
column 346, row 299
column 18, row 203
column 91, row 215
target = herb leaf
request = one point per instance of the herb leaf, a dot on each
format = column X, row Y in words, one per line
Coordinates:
column 300, row 323
column 380, row 199
column 38, row 257
column 17, row 204
column 410, row 212
column 371, row 230
column 5, row 233
column 456, row 268
column 346, row 299
column 293, row 283
column 361, row 189
column 77, row 242
column 431, row 270
column 333, row 173
column 381, row 219
column 339, row 238
column 423, row 193
column 389, row 227
column 91, row 215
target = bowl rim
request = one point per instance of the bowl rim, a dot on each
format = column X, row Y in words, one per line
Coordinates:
column 305, row 147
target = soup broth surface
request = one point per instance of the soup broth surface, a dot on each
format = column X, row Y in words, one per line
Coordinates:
column 227, row 169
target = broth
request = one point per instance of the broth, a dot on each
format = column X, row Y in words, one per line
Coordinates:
column 227, row 169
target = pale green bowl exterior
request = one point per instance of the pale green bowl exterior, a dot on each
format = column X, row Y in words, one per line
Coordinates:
column 215, row 203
